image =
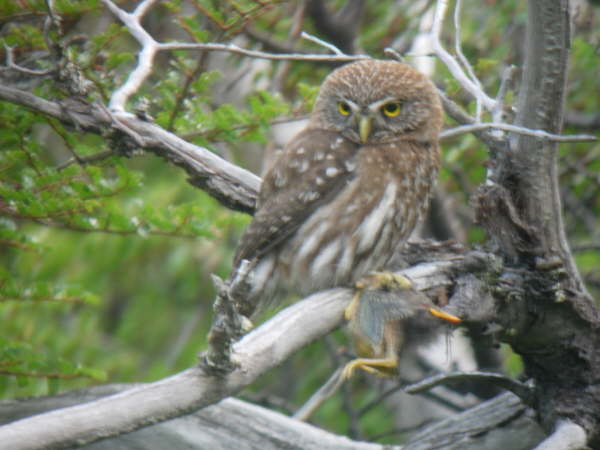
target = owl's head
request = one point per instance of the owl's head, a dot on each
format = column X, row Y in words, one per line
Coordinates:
column 372, row 101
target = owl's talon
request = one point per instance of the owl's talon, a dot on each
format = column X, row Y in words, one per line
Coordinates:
column 387, row 281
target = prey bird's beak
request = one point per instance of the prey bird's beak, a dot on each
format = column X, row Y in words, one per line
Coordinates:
column 364, row 127
column 443, row 315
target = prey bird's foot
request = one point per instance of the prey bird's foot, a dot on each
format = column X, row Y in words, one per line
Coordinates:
column 381, row 367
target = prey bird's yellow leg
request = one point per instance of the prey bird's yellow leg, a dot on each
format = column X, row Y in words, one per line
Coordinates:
column 384, row 361
column 381, row 366
column 352, row 308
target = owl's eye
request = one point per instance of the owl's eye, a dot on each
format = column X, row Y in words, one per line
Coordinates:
column 344, row 108
column 391, row 109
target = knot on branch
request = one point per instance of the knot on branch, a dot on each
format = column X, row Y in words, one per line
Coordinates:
column 228, row 323
column 496, row 212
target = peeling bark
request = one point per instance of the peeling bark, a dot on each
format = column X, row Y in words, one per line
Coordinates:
column 547, row 315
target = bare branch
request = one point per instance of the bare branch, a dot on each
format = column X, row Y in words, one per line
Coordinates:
column 450, row 62
column 233, row 423
column 10, row 64
column 465, row 429
column 232, row 48
column 145, row 56
column 143, row 8
column 463, row 60
column 452, row 132
column 256, row 353
column 316, row 40
column 328, row 389
column 524, row 391
column 150, row 47
column 233, row 186
column 581, row 120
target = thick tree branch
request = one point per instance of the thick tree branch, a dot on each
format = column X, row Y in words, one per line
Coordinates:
column 233, row 423
column 233, row 186
column 566, row 436
column 256, row 353
column 552, row 321
column 470, row 429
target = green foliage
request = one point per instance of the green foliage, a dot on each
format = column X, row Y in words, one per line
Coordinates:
column 94, row 252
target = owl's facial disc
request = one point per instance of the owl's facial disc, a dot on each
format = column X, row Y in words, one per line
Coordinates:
column 372, row 121
column 365, row 120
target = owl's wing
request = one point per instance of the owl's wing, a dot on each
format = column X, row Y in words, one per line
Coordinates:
column 311, row 170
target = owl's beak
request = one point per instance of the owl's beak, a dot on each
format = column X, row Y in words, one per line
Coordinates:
column 364, row 127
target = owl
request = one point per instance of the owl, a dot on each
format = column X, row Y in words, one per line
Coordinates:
column 348, row 190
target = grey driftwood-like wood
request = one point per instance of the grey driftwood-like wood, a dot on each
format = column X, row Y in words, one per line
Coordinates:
column 233, row 423
column 232, row 185
column 229, row 424
column 257, row 352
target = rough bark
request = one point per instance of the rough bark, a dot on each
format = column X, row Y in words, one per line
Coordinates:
column 256, row 353
column 233, row 423
column 232, row 185
column 547, row 315
column 529, row 295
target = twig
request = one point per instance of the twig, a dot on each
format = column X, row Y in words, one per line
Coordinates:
column 232, row 48
column 330, row 387
column 463, row 60
column 316, row 40
column 145, row 56
column 379, row 398
column 522, row 390
column 83, row 160
column 393, row 54
column 150, row 47
column 230, row 320
column 507, row 77
column 585, row 247
column 10, row 64
column 582, row 120
column 516, row 129
column 450, row 62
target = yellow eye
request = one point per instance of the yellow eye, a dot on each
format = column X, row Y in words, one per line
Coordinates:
column 391, row 109
column 344, row 108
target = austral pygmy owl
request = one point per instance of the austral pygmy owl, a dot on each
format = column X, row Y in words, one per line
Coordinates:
column 350, row 188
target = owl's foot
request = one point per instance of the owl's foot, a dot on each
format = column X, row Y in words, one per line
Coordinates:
column 383, row 281
column 387, row 281
column 385, row 367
